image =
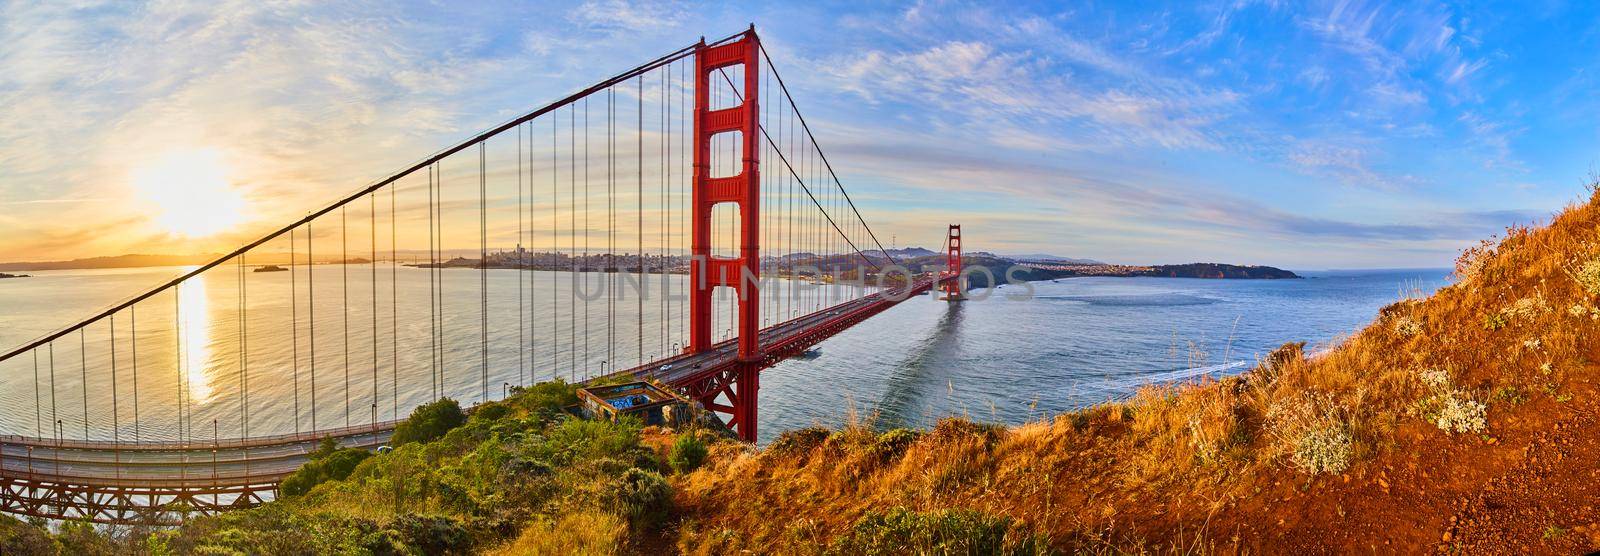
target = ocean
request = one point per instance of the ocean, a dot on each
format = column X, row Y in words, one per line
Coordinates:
column 1010, row 356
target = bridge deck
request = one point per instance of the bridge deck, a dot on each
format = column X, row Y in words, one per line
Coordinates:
column 778, row 341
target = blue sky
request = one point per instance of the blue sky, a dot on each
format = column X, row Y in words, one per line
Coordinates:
column 1303, row 135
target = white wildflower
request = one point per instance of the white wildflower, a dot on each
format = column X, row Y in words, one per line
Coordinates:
column 1588, row 276
column 1459, row 415
column 1406, row 327
column 1324, row 449
column 1436, row 379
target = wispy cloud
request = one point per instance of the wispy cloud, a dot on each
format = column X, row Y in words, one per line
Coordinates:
column 1240, row 130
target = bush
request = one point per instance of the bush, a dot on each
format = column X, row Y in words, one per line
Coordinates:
column 490, row 412
column 799, row 441
column 1324, row 449
column 957, row 531
column 688, row 452
column 429, row 421
column 891, row 444
column 642, row 497
column 19, row 537
column 328, row 462
column 545, row 397
column 432, row 534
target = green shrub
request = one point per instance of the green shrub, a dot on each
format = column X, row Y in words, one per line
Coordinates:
column 642, row 497
column 688, row 452
column 429, row 421
column 545, row 397
column 490, row 412
column 431, row 534
column 583, row 439
column 954, row 531
column 328, row 462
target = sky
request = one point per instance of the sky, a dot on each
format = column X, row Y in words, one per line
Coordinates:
column 1303, row 135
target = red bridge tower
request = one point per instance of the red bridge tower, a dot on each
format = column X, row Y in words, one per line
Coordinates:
column 952, row 263
column 743, row 190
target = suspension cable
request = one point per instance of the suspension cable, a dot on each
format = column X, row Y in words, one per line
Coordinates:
column 808, row 192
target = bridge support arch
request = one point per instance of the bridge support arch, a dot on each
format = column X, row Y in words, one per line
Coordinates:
column 742, row 273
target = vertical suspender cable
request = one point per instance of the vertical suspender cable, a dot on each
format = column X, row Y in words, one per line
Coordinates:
column 294, row 326
column 584, row 272
column 533, row 290
column 572, row 238
column 372, row 269
column 522, row 321
column 83, row 366
column 641, row 220
column 133, row 327
column 483, row 270
column 344, row 305
column 555, row 247
column 311, row 319
column 661, row 224
column 433, row 308
column 244, row 356
column 438, row 269
column 394, row 308
column 55, row 417
column 116, row 413
column 178, row 355
column 38, row 409
column 611, row 225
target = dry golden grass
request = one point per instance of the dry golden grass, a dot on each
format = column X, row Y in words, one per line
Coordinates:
column 1160, row 465
column 590, row 533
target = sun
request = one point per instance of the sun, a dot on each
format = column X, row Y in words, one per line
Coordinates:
column 191, row 192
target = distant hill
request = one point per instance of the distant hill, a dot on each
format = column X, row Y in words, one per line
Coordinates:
column 118, row 261
column 1051, row 258
column 912, row 252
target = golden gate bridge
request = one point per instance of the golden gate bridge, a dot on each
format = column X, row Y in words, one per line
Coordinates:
column 673, row 175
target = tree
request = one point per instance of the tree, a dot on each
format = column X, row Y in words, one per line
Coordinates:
column 429, row 421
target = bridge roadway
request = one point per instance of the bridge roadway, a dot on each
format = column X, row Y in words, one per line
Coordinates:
column 127, row 482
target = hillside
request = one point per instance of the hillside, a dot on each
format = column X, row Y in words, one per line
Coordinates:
column 1462, row 422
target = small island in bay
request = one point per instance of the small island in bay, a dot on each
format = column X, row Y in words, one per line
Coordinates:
column 4, row 275
column 270, row 268
column 1191, row 270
